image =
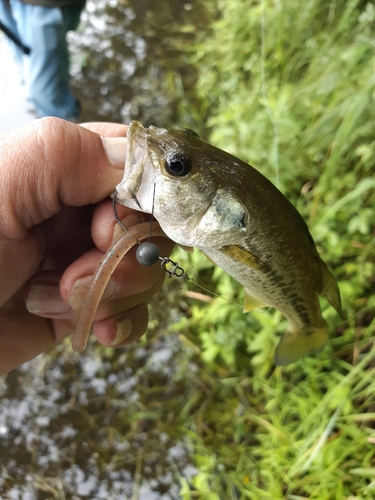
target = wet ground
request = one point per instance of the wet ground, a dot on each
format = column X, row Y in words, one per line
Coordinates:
column 107, row 424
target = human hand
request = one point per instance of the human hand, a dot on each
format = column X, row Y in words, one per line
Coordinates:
column 55, row 225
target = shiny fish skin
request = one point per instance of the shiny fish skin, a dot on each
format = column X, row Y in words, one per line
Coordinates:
column 240, row 220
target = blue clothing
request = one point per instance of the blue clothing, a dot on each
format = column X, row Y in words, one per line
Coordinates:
column 46, row 69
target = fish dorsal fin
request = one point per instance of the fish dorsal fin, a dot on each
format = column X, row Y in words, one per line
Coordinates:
column 244, row 256
column 296, row 344
column 251, row 302
column 330, row 289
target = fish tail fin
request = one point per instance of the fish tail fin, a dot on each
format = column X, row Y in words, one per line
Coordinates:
column 330, row 289
column 296, row 344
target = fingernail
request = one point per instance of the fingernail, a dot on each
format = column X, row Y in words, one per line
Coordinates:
column 115, row 149
column 80, row 287
column 123, row 330
column 45, row 298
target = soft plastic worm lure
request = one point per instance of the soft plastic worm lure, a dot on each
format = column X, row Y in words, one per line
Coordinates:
column 119, row 248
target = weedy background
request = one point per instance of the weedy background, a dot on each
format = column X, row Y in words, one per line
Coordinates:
column 197, row 409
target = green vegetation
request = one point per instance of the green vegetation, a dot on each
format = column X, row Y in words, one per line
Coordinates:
column 290, row 86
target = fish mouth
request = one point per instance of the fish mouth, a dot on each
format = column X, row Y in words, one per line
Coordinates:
column 136, row 157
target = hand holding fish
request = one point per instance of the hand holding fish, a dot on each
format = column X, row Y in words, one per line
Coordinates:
column 55, row 225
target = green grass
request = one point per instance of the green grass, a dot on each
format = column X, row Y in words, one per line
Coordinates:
column 305, row 431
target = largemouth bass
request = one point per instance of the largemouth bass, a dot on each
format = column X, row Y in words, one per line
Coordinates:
column 208, row 199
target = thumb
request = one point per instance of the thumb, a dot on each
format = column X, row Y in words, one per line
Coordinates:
column 50, row 162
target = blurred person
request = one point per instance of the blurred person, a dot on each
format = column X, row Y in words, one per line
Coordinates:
column 56, row 223
column 37, row 32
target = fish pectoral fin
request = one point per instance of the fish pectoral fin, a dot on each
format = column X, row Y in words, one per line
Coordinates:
column 244, row 256
column 330, row 289
column 296, row 344
column 251, row 302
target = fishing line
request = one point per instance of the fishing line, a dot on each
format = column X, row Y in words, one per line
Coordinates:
column 152, row 212
column 192, row 280
column 148, row 253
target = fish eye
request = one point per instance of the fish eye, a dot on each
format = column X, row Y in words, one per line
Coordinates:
column 177, row 164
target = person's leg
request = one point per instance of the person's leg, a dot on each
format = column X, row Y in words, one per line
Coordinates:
column 47, row 67
column 72, row 15
column 7, row 19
